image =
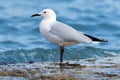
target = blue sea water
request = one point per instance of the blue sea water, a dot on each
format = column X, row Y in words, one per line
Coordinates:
column 21, row 41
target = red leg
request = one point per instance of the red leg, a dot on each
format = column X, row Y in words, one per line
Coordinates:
column 61, row 53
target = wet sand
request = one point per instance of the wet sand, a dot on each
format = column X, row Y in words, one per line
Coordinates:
column 84, row 69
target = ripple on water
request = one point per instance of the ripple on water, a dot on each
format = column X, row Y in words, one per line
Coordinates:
column 40, row 55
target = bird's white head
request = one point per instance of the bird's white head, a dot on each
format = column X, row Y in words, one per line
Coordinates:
column 46, row 14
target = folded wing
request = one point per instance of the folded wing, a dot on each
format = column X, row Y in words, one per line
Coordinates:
column 67, row 33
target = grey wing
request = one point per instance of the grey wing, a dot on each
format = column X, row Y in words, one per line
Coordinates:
column 68, row 33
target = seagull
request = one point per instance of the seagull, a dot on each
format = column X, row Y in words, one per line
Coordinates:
column 60, row 33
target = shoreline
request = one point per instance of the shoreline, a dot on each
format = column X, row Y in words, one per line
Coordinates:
column 85, row 69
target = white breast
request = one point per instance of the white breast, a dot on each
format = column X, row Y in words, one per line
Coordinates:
column 45, row 28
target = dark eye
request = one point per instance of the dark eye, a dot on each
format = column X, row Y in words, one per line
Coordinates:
column 45, row 12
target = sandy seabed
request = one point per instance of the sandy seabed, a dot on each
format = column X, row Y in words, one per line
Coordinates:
column 84, row 69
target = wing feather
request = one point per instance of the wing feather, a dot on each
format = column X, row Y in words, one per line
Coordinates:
column 68, row 33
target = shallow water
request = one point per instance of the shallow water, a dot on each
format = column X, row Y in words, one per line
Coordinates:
column 20, row 40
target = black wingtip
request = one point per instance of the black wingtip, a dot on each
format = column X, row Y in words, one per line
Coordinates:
column 96, row 39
